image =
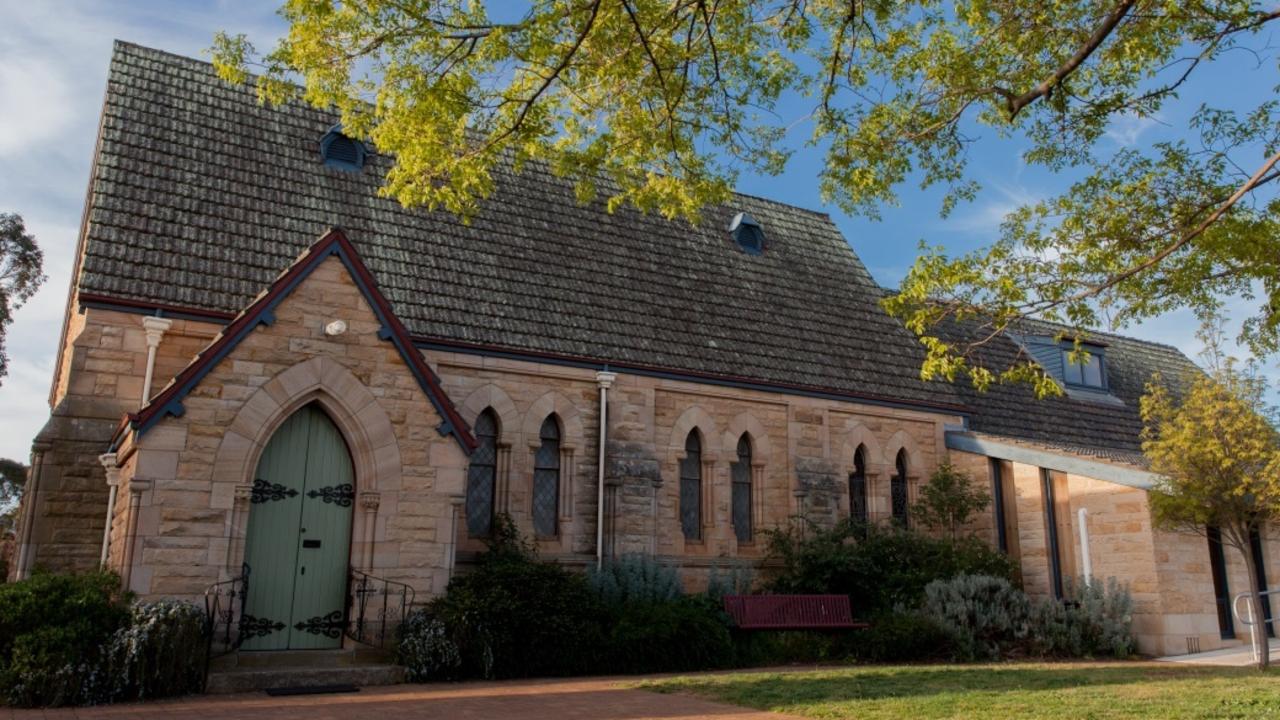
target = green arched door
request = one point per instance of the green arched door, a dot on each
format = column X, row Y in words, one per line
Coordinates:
column 299, row 537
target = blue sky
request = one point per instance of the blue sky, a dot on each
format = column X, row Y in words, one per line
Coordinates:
column 53, row 67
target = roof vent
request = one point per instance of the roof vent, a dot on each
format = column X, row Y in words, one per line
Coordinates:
column 341, row 152
column 747, row 233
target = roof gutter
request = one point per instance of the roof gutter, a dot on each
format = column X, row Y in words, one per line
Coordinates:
column 1119, row 474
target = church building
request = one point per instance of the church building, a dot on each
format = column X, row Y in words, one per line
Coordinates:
column 270, row 371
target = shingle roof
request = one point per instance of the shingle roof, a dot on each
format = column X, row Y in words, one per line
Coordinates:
column 201, row 197
column 1106, row 430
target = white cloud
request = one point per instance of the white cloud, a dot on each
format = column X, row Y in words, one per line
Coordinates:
column 1127, row 129
column 52, row 81
column 985, row 216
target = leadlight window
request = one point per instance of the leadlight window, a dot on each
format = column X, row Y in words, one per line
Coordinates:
column 858, row 486
column 741, row 472
column 898, row 489
column 691, row 487
column 482, row 475
column 546, row 480
column 1084, row 372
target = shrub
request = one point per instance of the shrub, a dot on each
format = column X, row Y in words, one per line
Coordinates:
column 54, row 631
column 427, row 649
column 878, row 567
column 688, row 633
column 634, row 578
column 516, row 616
column 161, row 652
column 1098, row 623
column 986, row 614
column 903, row 636
column 948, row 500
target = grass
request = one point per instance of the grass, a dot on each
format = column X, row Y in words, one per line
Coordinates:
column 1016, row 690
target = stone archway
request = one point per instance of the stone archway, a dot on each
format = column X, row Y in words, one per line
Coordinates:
column 364, row 425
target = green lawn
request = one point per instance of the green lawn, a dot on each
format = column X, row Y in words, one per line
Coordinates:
column 1021, row 690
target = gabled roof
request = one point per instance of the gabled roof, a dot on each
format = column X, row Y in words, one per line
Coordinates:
column 262, row 312
column 201, row 194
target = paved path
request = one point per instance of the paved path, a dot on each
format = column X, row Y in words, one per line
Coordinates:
column 573, row 699
column 1241, row 656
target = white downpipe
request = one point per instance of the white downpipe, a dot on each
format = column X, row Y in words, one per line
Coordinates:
column 604, row 379
column 155, row 328
column 108, row 461
column 1084, row 546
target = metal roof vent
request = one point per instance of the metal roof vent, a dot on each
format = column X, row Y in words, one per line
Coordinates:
column 341, row 152
column 747, row 233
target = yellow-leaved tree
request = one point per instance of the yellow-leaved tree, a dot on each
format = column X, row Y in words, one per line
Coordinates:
column 1217, row 450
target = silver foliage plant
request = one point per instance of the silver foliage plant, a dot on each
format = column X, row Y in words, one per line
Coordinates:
column 635, row 578
column 426, row 650
column 992, row 619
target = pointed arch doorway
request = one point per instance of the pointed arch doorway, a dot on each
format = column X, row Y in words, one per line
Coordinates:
column 299, row 537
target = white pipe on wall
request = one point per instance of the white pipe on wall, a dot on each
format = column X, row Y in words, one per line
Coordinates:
column 155, row 327
column 1087, row 562
column 604, row 379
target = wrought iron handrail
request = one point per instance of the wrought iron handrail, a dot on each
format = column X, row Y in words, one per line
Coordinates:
column 375, row 608
column 224, row 613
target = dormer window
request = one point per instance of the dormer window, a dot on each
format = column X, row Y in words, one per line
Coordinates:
column 1084, row 372
column 747, row 233
column 341, row 152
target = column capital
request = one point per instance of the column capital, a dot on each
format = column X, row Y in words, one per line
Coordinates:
column 605, row 378
column 155, row 328
column 370, row 501
column 108, row 461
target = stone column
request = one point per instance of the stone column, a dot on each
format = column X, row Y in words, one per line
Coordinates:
column 137, row 486
column 239, row 529
column 757, row 499
column 456, row 505
column 108, row 461
column 26, row 549
column 502, row 491
column 369, row 502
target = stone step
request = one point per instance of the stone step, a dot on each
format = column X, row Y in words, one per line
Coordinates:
column 250, row 679
column 302, row 658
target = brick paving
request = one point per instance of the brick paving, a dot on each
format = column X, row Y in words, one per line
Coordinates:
column 591, row 699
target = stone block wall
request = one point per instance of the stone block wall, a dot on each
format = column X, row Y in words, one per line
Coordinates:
column 188, row 478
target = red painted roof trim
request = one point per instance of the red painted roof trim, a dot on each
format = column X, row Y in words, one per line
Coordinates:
column 260, row 311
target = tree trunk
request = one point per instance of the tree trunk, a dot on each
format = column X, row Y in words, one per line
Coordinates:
column 1259, row 627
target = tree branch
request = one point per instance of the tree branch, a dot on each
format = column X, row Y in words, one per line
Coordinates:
column 1016, row 102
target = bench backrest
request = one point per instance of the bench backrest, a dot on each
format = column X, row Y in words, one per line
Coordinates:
column 789, row 612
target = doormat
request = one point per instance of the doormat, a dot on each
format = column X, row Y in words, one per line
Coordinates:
column 313, row 690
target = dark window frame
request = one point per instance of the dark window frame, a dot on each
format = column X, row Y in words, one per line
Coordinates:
column 900, row 491
column 859, row 510
column 482, row 474
column 741, row 487
column 546, row 470
column 997, row 496
column 1054, row 548
column 1221, row 583
column 690, row 505
column 1097, row 355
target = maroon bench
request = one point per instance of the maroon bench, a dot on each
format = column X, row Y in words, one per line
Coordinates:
column 791, row 612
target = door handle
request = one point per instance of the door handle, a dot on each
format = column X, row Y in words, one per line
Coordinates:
column 310, row 543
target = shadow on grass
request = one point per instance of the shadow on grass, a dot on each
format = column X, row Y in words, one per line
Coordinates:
column 876, row 683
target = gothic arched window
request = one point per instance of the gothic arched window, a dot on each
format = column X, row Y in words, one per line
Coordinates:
column 691, row 487
column 482, row 475
column 741, row 490
column 858, row 486
column 546, row 480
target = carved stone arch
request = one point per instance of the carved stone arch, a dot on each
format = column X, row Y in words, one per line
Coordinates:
column 695, row 417
column 364, row 425
column 846, row 444
column 902, row 441
column 492, row 396
column 761, row 448
column 571, row 431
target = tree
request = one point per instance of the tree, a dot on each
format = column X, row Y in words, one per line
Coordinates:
column 1217, row 451
column 21, row 273
column 949, row 500
column 661, row 103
